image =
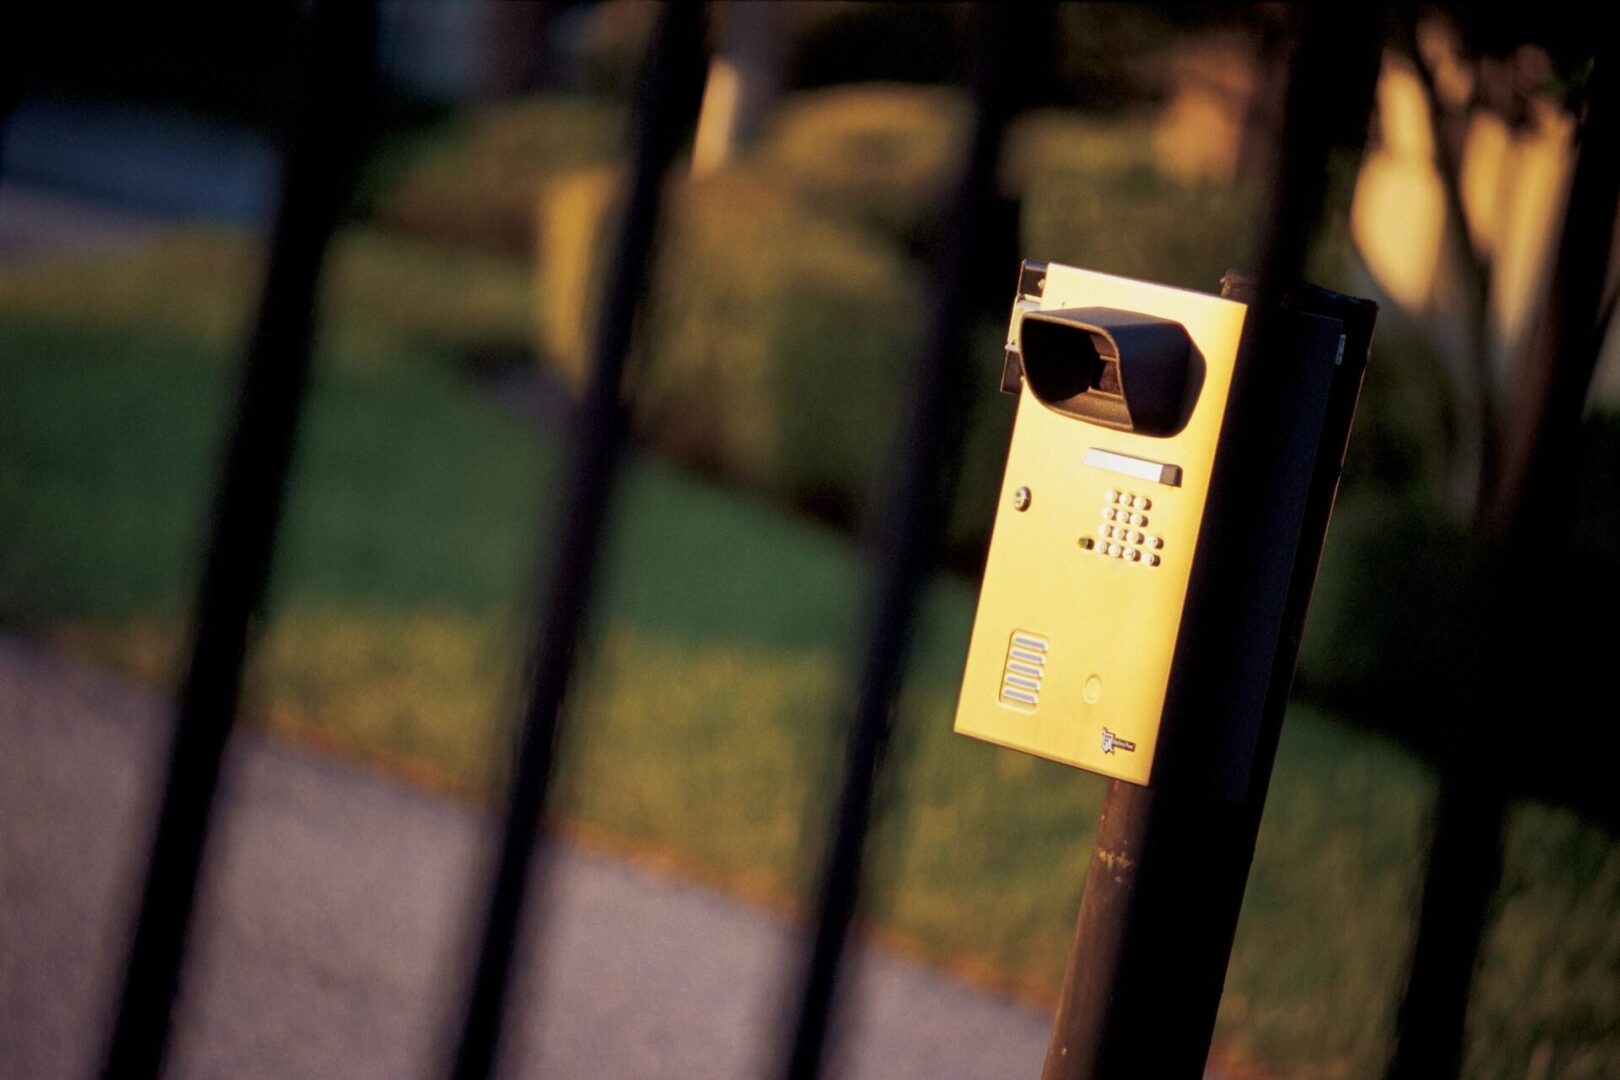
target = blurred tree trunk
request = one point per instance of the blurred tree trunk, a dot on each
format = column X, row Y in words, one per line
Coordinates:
column 1473, row 472
column 745, row 78
column 1514, row 653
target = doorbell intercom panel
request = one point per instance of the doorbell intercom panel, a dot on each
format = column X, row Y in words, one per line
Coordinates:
column 1122, row 390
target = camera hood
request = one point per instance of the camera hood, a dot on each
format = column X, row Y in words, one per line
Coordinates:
column 1120, row 369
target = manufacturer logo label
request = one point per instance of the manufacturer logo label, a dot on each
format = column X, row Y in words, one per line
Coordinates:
column 1112, row 742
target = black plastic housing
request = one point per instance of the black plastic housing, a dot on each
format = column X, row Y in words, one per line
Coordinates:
column 1120, row 369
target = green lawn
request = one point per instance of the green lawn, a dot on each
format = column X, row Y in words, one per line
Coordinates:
column 708, row 707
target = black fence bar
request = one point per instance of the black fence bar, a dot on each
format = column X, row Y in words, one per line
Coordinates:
column 10, row 94
column 668, row 95
column 1166, row 882
column 1526, row 519
column 318, row 177
column 919, row 482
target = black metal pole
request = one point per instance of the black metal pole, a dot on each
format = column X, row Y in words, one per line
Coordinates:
column 666, row 106
column 1524, row 521
column 318, row 178
column 1168, row 871
column 911, row 512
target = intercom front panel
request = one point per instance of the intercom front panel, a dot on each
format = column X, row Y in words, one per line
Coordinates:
column 1099, row 517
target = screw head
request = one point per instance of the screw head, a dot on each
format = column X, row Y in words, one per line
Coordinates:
column 1021, row 499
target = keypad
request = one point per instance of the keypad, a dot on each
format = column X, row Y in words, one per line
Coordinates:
column 1124, row 516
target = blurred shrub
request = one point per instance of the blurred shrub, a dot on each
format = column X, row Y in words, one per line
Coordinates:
column 474, row 183
column 786, row 307
column 1382, row 640
column 769, row 349
column 1388, row 634
column 1093, row 197
column 1382, row 643
column 1104, row 57
column 883, row 156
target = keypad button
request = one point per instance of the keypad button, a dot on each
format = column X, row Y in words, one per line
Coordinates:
column 1142, row 502
column 1151, row 559
column 1111, row 497
column 1136, row 538
column 1131, row 554
column 1113, row 549
column 1155, row 542
column 1138, row 519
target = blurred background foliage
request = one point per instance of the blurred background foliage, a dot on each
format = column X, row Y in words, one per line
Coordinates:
column 791, row 280
column 788, row 298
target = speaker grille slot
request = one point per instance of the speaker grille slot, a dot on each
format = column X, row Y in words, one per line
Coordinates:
column 1024, row 671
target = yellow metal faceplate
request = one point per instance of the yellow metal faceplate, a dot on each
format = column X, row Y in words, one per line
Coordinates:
column 1095, row 632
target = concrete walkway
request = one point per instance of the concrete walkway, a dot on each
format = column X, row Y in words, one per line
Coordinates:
column 331, row 939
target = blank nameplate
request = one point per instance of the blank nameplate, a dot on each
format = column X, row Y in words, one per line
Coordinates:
column 1137, row 468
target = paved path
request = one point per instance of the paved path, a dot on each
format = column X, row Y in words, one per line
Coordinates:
column 37, row 225
column 331, row 927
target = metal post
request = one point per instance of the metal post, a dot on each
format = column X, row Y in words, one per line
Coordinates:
column 919, row 483
column 318, row 177
column 665, row 110
column 1167, row 875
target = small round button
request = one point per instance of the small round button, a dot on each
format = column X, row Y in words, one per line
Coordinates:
column 1108, row 514
column 1087, row 543
column 1151, row 559
column 1138, row 519
column 1155, row 542
column 1113, row 549
column 1142, row 502
column 1112, row 496
column 1093, row 690
column 1136, row 538
column 1021, row 499
column 1131, row 554
column 1105, row 530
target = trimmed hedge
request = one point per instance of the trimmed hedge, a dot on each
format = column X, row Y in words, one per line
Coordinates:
column 787, row 301
column 786, row 308
column 1093, row 196
column 771, row 349
column 883, row 156
column 474, row 184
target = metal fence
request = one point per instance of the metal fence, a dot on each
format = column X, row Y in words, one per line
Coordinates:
column 1329, row 95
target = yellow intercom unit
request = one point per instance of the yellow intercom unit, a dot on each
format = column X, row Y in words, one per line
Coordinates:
column 1122, row 391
